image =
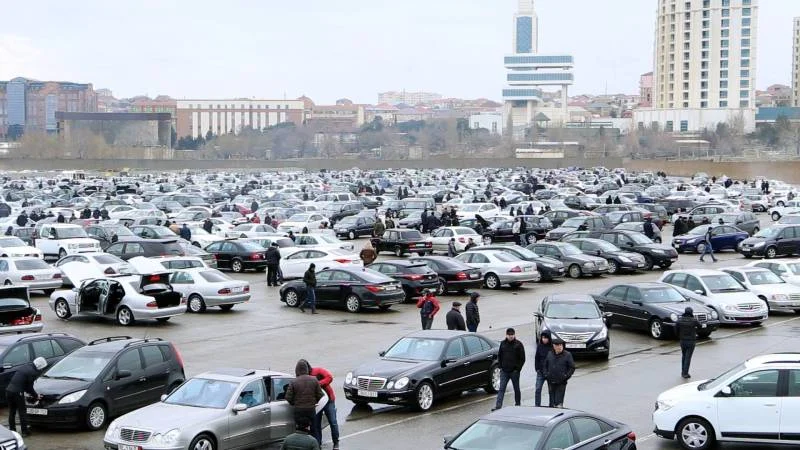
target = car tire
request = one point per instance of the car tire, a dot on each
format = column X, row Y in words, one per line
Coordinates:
column 7, row 283
column 237, row 266
column 530, row 239
column 694, row 433
column 648, row 262
column 423, row 396
column 351, row 235
column 700, row 248
column 62, row 253
column 756, row 230
column 292, row 298
column 203, row 442
column 125, row 316
column 62, row 309
column 487, row 240
column 656, row 329
column 775, row 216
column 493, row 383
column 441, row 289
column 575, row 271
column 613, row 267
column 352, row 303
column 226, row 308
column 770, row 252
column 398, row 251
column 492, row 281
column 96, row 416
column 666, row 265
column 196, row 304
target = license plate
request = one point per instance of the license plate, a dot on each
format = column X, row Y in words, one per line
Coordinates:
column 703, row 325
column 676, row 245
column 237, row 289
column 576, row 345
column 529, row 269
column 37, row 411
column 128, row 447
column 640, row 265
column 372, row 394
column 474, row 276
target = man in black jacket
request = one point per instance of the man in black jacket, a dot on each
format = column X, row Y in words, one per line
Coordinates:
column 558, row 369
column 543, row 348
column 473, row 313
column 21, row 383
column 511, row 358
column 310, row 280
column 304, row 392
column 455, row 321
column 273, row 262
column 687, row 333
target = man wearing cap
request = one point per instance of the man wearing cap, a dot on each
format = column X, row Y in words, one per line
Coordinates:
column 455, row 321
column 687, row 333
column 273, row 257
column 558, row 369
column 428, row 307
column 21, row 383
column 473, row 314
column 511, row 358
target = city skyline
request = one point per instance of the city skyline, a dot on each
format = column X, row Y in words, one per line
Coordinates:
column 353, row 49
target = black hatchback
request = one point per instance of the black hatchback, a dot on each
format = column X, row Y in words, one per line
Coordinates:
column 238, row 255
column 128, row 248
column 106, row 378
column 454, row 275
column 415, row 277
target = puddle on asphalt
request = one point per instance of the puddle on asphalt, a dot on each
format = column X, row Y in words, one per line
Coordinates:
column 347, row 321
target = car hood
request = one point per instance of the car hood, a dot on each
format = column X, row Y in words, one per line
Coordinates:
column 389, row 368
column 754, row 240
column 690, row 237
column 563, row 230
column 681, row 391
column 777, row 288
column 162, row 417
column 574, row 325
column 680, row 307
column 584, row 258
column 654, row 246
column 51, row 387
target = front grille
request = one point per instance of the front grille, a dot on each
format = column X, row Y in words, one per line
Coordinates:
column 575, row 337
column 8, row 445
column 794, row 297
column 371, row 383
column 131, row 435
column 701, row 317
column 85, row 245
column 747, row 307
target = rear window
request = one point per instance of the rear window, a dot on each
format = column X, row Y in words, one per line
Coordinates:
column 251, row 247
column 373, row 276
column 506, row 257
column 108, row 259
column 214, row 276
column 173, row 249
column 422, row 268
column 410, row 235
column 31, row 264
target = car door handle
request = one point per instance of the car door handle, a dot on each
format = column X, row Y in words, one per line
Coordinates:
column 143, row 379
column 770, row 404
column 265, row 411
column 467, row 363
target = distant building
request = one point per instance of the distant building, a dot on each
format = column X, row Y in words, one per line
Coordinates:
column 387, row 113
column 147, row 131
column 337, row 117
column 160, row 104
column 410, row 98
column 30, row 105
column 198, row 117
column 490, row 121
column 796, row 63
column 646, row 90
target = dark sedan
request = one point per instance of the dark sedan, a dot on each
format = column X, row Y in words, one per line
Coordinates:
column 453, row 274
column 549, row 268
column 723, row 237
column 532, row 428
column 352, row 227
column 577, row 263
column 425, row 366
column 618, row 259
column 501, row 231
column 238, row 255
column 575, row 319
column 351, row 289
column 652, row 306
column 400, row 242
column 661, row 255
column 415, row 277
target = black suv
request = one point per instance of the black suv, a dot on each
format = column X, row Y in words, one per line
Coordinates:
column 20, row 349
column 337, row 211
column 128, row 248
column 661, row 255
column 106, row 378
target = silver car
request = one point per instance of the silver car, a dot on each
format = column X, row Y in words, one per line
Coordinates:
column 203, row 287
column 109, row 264
column 223, row 409
column 31, row 272
column 499, row 267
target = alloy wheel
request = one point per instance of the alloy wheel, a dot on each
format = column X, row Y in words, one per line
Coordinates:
column 291, row 297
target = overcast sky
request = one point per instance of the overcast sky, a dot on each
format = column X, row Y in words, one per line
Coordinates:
column 338, row 48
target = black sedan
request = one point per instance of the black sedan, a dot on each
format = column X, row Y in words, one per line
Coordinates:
column 400, row 242
column 351, row 289
column 415, row 277
column 501, row 231
column 238, row 255
column 352, row 227
column 618, row 259
column 652, row 306
column 453, row 274
column 577, row 263
column 576, row 319
column 549, row 268
column 425, row 366
column 535, row 428
column 661, row 255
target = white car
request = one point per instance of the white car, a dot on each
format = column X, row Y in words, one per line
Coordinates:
column 303, row 223
column 14, row 246
column 296, row 264
column 201, row 238
column 788, row 270
column 246, row 230
column 440, row 238
column 768, row 287
column 788, row 207
column 31, row 272
column 62, row 239
column 720, row 291
column 122, row 211
column 204, row 287
column 322, row 241
column 758, row 401
column 106, row 262
column 485, row 210
column 498, row 268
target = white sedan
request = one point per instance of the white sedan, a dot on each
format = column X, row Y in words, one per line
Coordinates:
column 107, row 263
column 14, row 246
column 499, row 267
column 768, row 287
column 204, row 287
column 246, row 230
column 440, row 238
column 322, row 241
column 31, row 272
column 201, row 238
column 485, row 210
column 303, row 223
column 296, row 264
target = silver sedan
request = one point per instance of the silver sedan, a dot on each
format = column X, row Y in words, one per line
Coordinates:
column 31, row 272
column 106, row 262
column 499, row 267
column 204, row 287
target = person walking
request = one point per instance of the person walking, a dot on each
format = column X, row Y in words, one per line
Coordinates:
column 708, row 249
column 511, row 358
column 428, row 307
column 186, row 233
column 516, row 228
column 310, row 280
column 325, row 379
column 558, row 369
column 20, row 384
column 301, row 439
column 473, row 312
column 304, row 392
column 368, row 254
column 273, row 257
column 687, row 333
column 543, row 348
column 451, row 248
column 454, row 319
column 379, row 228
column 647, row 227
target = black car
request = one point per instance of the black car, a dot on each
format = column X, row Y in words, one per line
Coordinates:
column 351, row 289
column 105, row 233
column 424, row 366
column 661, row 255
column 618, row 259
column 588, row 223
column 128, row 248
column 652, row 306
column 581, row 202
column 576, row 319
column 339, row 210
column 400, row 242
column 369, row 202
column 105, row 379
column 19, row 349
column 535, row 428
column 354, row 226
column 770, row 242
column 549, row 268
column 453, row 274
column 501, row 231
column 559, row 216
column 577, row 263
column 153, row 232
column 415, row 277
column 238, row 255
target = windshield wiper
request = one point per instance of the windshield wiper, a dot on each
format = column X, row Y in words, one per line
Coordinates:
column 65, row 377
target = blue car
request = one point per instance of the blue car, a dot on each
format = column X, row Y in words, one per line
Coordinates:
column 723, row 237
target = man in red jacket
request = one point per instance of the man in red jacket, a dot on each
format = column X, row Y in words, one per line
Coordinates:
column 325, row 379
column 428, row 307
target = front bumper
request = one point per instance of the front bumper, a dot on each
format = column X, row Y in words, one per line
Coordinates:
column 58, row 416
column 591, row 347
column 115, row 445
column 384, row 396
column 548, row 273
column 728, row 317
column 158, row 313
column 664, row 258
column 520, row 277
column 708, row 326
column 217, row 300
column 752, row 251
column 784, row 304
column 631, row 265
column 594, row 269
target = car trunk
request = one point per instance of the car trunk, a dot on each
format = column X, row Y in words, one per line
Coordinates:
column 15, row 309
column 158, row 287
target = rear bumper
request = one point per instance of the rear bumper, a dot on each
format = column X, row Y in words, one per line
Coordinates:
column 158, row 313
column 383, row 299
column 32, row 328
column 456, row 285
column 522, row 277
column 43, row 284
column 217, row 300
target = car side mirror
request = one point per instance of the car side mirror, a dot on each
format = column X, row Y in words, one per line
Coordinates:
column 239, row 407
column 383, row 353
column 122, row 374
column 726, row 391
column 699, row 292
column 447, row 439
column 447, row 361
column 598, row 252
column 5, row 367
column 637, row 303
column 630, row 244
column 163, row 397
column 607, row 314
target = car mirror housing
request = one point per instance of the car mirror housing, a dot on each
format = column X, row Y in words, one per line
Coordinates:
column 445, row 362
column 123, row 374
column 726, row 391
column 239, row 407
column 163, row 397
column 383, row 353
column 699, row 292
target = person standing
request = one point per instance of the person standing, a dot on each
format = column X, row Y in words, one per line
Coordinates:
column 543, row 348
column 470, row 245
column 20, row 384
column 473, row 313
column 679, row 227
column 428, row 307
column 687, row 333
column 301, row 439
column 378, row 229
column 523, row 229
column 454, row 319
column 647, row 227
column 451, row 248
column 325, row 379
column 511, row 358
column 208, row 226
column 708, row 249
column 310, row 280
column 516, row 228
column 186, row 233
column 273, row 258
column 304, row 392
column 558, row 369
column 368, row 254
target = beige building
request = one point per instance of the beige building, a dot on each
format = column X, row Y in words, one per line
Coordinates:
column 198, row 117
column 796, row 63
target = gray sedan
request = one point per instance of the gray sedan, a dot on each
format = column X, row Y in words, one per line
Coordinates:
column 204, row 287
column 31, row 272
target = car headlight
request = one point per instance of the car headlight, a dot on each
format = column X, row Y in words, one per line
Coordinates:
column 71, row 398
column 588, row 264
column 18, row 438
column 549, row 266
column 113, row 430
column 72, row 245
column 714, row 314
column 602, row 334
column 658, row 250
column 401, row 383
column 624, row 259
column 759, row 244
column 390, row 385
column 780, row 297
column 673, row 317
column 166, row 438
column 729, row 308
column 664, row 405
column 348, row 378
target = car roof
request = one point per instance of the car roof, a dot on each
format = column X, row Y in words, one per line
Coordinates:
column 235, row 374
column 747, row 269
column 437, row 334
column 399, row 262
column 9, row 339
column 529, row 415
column 575, row 298
column 773, row 358
column 117, row 343
column 698, row 272
column 646, row 284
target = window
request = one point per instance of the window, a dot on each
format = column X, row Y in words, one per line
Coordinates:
column 44, row 348
column 454, row 350
column 617, row 293
column 745, row 73
column 763, row 383
column 723, row 84
column 744, row 104
column 130, row 361
column 746, row 13
column 745, row 42
column 745, row 31
column 725, row 33
column 588, row 428
column 181, row 278
column 723, row 94
column 68, row 345
column 474, row 345
column 726, row 13
column 723, row 104
column 561, row 437
column 725, row 23
column 794, row 383
column 744, row 94
column 723, row 64
column 152, row 355
column 18, row 355
column 253, row 394
column 745, row 53
column 693, row 284
column 705, row 24
column 668, row 126
column 744, row 83
column 724, row 43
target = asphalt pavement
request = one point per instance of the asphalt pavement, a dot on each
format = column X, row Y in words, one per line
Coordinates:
column 266, row 334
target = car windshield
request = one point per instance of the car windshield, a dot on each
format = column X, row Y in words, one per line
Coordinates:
column 722, row 283
column 299, row 218
column 12, row 303
column 31, row 264
column 790, row 219
column 569, row 250
column 203, row 393
column 11, row 242
column 410, row 235
column 699, row 231
column 574, row 222
column 661, row 295
column 572, row 310
column 492, row 435
column 162, row 231
column 70, row 232
column 417, row 349
column 763, row 277
column 638, row 238
column 80, row 366
column 715, row 383
column 214, row 276
column 768, row 233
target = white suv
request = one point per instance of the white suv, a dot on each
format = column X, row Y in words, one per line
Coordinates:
column 57, row 240
column 757, row 401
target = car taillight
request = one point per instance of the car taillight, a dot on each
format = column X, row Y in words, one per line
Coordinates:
column 428, row 244
column 461, row 276
column 225, row 291
column 27, row 320
column 27, row 278
column 247, row 289
column 632, row 436
column 374, row 289
column 57, row 276
column 462, row 240
column 177, row 354
column 516, row 269
column 153, row 304
column 154, row 278
column 255, row 256
column 413, row 277
column 343, row 261
column 37, row 317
